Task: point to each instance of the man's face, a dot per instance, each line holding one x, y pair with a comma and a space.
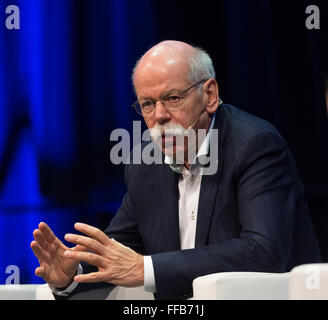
159, 74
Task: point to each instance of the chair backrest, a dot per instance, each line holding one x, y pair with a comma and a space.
309, 282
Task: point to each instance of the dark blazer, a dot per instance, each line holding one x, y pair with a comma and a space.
252, 214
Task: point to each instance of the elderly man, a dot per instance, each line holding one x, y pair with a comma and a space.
175, 223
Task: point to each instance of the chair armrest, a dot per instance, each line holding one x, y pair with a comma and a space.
309, 282
43, 292
241, 286
18, 292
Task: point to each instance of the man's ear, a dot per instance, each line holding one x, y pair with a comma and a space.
212, 91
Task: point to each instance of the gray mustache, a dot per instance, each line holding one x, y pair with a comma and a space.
159, 131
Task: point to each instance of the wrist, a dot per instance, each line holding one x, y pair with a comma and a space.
141, 269
67, 285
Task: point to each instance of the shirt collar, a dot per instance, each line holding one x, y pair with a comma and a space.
203, 151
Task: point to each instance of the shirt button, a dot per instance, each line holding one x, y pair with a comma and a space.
193, 216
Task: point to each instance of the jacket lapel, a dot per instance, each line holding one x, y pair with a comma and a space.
209, 191
170, 209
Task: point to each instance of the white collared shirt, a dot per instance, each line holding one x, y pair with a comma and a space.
189, 190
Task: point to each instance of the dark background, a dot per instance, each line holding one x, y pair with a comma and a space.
65, 86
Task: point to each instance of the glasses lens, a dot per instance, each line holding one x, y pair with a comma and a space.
172, 101
146, 107
137, 107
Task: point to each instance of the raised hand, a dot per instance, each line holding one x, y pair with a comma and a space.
117, 264
55, 268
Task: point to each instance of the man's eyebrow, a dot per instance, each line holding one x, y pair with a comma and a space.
171, 90
162, 94
145, 98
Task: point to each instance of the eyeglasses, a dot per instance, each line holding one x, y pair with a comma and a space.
170, 100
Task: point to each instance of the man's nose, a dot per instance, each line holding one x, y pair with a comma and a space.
161, 113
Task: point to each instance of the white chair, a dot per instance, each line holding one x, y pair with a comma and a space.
304, 282
241, 286
309, 282
43, 292
218, 286
18, 292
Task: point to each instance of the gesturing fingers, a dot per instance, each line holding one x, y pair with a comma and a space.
42, 257
92, 232
41, 239
92, 277
86, 242
39, 253
88, 257
49, 235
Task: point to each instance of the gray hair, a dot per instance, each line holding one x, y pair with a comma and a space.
200, 67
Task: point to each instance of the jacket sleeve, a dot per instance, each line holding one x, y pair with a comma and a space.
264, 177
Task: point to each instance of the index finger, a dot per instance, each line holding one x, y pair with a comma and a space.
47, 232
92, 232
